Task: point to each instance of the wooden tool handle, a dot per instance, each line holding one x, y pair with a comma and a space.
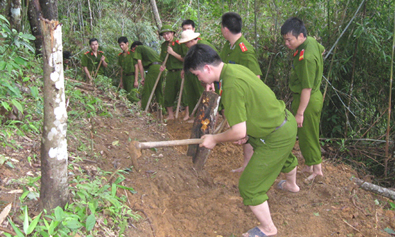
146, 145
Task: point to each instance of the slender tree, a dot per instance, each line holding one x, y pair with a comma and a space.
156, 14
16, 16
54, 186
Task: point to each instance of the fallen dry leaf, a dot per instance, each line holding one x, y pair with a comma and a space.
5, 212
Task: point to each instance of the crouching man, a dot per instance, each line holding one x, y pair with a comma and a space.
256, 117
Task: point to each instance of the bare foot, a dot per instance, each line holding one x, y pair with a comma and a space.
186, 118
283, 185
238, 170
170, 118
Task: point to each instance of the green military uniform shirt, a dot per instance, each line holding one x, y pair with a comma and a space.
172, 62
241, 53
91, 62
248, 99
127, 62
147, 56
307, 66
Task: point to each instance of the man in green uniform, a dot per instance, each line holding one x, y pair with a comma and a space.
305, 81
254, 113
192, 87
148, 60
173, 66
129, 70
90, 60
237, 50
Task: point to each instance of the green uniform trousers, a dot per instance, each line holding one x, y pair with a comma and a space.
173, 85
193, 89
128, 85
308, 135
271, 156
149, 82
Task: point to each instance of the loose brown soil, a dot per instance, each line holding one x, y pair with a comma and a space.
176, 200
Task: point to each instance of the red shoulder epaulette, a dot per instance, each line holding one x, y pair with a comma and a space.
301, 55
177, 42
119, 53
243, 47
296, 52
172, 43
86, 52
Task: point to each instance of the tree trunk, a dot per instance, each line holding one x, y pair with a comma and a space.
54, 186
156, 14
49, 9
34, 13
16, 16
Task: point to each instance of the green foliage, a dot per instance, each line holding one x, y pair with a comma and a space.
94, 202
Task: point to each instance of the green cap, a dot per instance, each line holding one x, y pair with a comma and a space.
166, 28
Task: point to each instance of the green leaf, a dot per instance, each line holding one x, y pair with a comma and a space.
73, 224
113, 190
33, 224
34, 91
93, 205
90, 222
17, 231
44, 234
316, 214
127, 188
5, 105
25, 221
17, 105
2, 65
52, 227
58, 213
389, 231
20, 61
119, 179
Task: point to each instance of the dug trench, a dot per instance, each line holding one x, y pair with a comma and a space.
174, 199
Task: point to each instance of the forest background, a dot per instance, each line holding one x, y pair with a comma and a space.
358, 37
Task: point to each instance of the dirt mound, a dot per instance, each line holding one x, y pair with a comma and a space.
176, 200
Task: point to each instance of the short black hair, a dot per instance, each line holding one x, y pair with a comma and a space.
200, 55
188, 22
295, 26
93, 40
122, 39
135, 43
232, 21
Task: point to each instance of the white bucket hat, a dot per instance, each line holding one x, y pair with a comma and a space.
188, 35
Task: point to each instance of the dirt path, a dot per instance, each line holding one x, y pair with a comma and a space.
176, 200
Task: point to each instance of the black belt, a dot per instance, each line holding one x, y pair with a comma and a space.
174, 70
285, 120
129, 74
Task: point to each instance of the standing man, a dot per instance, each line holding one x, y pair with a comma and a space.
305, 81
148, 60
173, 66
192, 87
129, 70
268, 126
237, 50
90, 60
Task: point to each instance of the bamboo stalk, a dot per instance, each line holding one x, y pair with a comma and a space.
388, 157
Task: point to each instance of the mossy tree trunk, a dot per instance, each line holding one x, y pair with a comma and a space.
54, 186
16, 16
